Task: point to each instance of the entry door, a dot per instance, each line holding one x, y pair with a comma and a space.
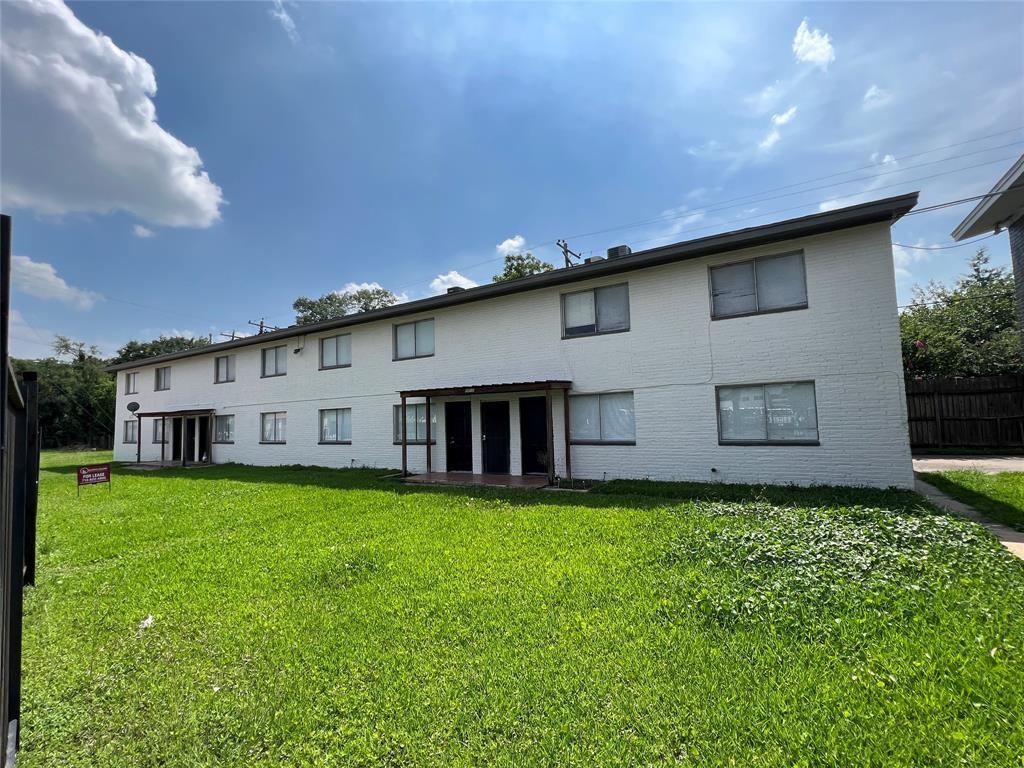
190, 440
458, 432
176, 439
494, 422
533, 431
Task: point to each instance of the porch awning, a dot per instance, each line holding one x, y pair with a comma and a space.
488, 389
193, 412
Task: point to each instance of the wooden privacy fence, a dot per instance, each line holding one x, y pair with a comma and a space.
983, 412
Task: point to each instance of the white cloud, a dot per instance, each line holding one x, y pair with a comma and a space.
766, 99
785, 117
27, 342
512, 244
80, 127
39, 279
876, 97
284, 18
453, 279
813, 46
904, 258
374, 286
770, 140
141, 231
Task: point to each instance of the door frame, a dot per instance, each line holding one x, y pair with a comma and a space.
468, 405
508, 437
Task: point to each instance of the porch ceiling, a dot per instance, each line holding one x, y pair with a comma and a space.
200, 412
487, 389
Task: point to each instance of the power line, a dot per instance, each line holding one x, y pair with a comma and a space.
947, 247
954, 299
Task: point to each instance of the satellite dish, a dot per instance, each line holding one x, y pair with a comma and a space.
133, 406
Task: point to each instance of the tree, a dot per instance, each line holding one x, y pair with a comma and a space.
139, 350
339, 303
522, 265
967, 330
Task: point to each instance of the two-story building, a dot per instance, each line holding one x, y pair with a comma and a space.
764, 355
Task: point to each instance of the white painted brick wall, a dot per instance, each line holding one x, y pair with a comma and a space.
847, 341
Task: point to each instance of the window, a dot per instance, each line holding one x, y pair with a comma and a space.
131, 431
224, 369
272, 427
275, 361
163, 378
601, 310
768, 413
414, 340
336, 351
158, 431
415, 423
223, 429
764, 284
605, 418
131, 383
336, 425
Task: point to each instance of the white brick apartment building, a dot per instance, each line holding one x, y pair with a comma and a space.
765, 355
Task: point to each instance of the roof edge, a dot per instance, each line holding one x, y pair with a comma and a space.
1005, 184
889, 209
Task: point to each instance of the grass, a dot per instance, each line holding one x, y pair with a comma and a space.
1000, 496
330, 617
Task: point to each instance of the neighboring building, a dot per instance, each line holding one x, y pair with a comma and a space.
1003, 208
766, 355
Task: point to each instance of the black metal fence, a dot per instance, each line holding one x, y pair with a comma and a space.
982, 412
19, 493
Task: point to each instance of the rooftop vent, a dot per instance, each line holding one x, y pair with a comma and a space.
619, 250
592, 259
456, 289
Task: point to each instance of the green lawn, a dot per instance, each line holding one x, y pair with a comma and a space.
320, 617
1000, 496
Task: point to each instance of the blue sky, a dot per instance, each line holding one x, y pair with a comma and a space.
397, 143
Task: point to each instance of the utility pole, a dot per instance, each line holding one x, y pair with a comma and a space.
263, 326
232, 335
568, 254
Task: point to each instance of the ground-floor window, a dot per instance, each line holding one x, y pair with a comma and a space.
768, 413
603, 418
158, 431
415, 423
131, 431
224, 429
336, 425
272, 427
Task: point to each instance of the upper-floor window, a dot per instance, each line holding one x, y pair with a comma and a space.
336, 351
131, 431
224, 369
336, 425
414, 339
275, 361
415, 423
768, 414
131, 383
764, 284
163, 378
272, 427
224, 429
602, 418
599, 310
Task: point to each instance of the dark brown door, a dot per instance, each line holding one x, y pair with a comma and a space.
494, 423
176, 439
190, 440
458, 434
533, 433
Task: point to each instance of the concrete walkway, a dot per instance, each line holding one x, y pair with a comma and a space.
989, 464
1012, 539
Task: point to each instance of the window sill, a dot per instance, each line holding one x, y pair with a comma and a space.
334, 367
223, 442
770, 442
335, 442
760, 312
415, 442
135, 392
273, 442
226, 381
160, 389
273, 375
566, 336
602, 442
414, 357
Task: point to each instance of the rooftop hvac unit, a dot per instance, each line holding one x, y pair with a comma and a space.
619, 250
593, 259
456, 289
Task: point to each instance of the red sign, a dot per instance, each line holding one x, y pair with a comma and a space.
97, 473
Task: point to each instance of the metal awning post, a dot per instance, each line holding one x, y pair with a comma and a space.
405, 443
549, 428
163, 437
568, 452
138, 440
427, 409
184, 441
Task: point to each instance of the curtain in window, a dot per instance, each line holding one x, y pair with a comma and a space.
780, 282
791, 411
223, 429
329, 426
343, 345
405, 341
617, 418
268, 427
741, 413
329, 352
612, 308
732, 289
579, 312
279, 425
424, 338
584, 417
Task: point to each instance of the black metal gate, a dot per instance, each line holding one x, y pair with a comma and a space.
19, 492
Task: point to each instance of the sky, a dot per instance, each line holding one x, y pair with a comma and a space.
177, 167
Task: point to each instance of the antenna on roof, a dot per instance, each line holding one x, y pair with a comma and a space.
568, 254
263, 326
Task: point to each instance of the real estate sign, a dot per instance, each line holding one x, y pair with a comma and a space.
93, 475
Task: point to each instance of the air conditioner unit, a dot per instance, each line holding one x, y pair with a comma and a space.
619, 250
593, 259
